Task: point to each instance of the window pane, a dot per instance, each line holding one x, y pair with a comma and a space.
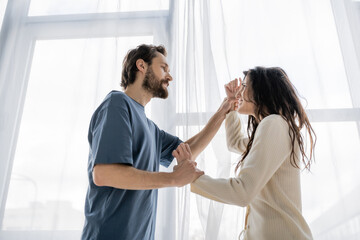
337, 151
59, 7
68, 80
306, 45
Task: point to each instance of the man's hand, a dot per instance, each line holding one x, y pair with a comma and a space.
228, 105
185, 172
182, 152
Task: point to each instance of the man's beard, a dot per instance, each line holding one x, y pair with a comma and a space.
153, 85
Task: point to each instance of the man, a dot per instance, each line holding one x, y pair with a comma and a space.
126, 149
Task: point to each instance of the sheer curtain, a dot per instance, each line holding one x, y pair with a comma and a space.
201, 69
316, 42
2, 11
58, 60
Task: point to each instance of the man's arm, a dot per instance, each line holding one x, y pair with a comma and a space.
199, 142
127, 177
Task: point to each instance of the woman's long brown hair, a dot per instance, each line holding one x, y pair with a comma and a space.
272, 93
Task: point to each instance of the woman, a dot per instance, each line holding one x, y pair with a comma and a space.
268, 182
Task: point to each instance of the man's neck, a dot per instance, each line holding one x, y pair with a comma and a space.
138, 94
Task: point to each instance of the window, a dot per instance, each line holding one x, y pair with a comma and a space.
67, 63
64, 76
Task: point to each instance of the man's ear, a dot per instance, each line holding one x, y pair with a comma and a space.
141, 65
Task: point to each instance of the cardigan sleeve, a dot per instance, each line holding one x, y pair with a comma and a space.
235, 139
271, 147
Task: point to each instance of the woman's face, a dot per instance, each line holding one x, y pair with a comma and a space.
246, 104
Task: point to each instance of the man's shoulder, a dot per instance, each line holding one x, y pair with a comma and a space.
116, 99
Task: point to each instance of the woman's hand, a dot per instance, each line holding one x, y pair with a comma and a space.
182, 152
185, 172
232, 90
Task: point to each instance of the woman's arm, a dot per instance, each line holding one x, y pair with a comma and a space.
271, 147
235, 139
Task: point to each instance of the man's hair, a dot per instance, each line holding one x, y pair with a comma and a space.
144, 52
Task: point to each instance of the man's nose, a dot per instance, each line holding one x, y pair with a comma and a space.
169, 77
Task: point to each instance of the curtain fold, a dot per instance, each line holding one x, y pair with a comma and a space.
201, 70
3, 4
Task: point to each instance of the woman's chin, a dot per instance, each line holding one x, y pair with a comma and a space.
240, 110
243, 111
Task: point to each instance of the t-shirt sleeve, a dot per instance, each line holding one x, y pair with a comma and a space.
168, 144
111, 137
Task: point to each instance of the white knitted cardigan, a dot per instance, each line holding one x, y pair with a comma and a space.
267, 184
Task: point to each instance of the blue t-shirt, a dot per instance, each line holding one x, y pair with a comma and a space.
120, 132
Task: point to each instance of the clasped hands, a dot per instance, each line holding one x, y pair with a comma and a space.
186, 171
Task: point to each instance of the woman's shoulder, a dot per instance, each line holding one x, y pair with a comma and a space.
274, 120
273, 129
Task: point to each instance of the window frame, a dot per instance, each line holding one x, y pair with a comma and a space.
18, 37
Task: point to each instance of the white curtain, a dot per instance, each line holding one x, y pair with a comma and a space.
43, 149
2, 11
201, 69
216, 40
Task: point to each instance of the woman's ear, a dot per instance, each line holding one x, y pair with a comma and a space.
141, 65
